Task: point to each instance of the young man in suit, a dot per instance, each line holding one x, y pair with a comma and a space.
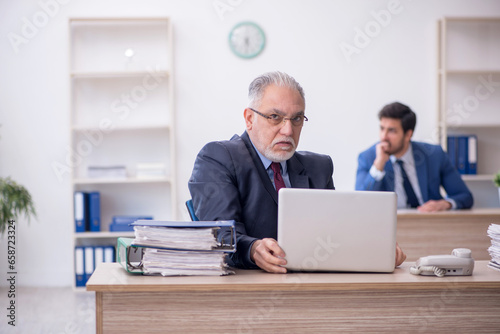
414, 170
238, 179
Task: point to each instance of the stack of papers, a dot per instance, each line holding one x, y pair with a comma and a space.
107, 172
190, 263
494, 249
182, 248
175, 237
150, 170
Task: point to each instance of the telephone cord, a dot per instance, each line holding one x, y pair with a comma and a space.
439, 272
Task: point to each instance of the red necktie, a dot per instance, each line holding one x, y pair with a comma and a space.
278, 179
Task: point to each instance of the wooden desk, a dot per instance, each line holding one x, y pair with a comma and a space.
421, 234
253, 301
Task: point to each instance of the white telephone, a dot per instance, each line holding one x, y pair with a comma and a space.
459, 263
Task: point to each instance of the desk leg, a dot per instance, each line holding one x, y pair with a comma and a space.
98, 312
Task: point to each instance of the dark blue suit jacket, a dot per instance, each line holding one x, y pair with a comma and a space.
434, 169
229, 182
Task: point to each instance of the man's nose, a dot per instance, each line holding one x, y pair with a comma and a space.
286, 127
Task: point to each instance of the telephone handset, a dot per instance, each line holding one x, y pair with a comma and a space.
459, 263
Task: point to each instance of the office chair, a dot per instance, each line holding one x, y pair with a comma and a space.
190, 208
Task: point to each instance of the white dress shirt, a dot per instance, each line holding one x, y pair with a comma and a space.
411, 172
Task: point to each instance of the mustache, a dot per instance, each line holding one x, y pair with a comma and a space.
284, 140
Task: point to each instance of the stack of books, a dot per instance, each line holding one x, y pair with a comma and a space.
494, 249
178, 248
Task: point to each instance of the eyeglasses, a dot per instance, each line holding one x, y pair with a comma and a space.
275, 119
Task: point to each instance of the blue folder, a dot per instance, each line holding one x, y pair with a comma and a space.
81, 211
89, 262
109, 254
122, 223
472, 154
95, 211
462, 154
452, 149
80, 266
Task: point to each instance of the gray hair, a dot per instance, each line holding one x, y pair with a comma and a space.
259, 85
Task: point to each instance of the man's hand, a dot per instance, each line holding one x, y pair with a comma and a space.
400, 256
381, 155
433, 206
268, 255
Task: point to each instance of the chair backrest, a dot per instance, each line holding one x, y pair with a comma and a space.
190, 207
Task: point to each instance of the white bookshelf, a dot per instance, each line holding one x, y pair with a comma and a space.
122, 114
469, 95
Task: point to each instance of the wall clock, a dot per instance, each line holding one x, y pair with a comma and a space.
247, 40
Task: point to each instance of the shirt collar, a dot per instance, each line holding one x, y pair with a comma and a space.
407, 158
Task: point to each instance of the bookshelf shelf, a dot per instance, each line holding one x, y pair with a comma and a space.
479, 177
473, 125
122, 120
90, 181
472, 72
138, 127
469, 98
103, 235
119, 74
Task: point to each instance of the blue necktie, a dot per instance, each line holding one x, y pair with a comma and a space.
411, 198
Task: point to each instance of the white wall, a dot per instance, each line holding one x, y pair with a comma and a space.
303, 39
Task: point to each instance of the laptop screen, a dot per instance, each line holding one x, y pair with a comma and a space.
333, 230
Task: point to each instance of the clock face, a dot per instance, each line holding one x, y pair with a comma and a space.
247, 40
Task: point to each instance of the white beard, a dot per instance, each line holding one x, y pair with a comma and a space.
279, 156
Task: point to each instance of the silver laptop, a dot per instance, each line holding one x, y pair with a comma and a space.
333, 230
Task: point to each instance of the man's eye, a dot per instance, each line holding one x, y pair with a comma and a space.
274, 117
297, 119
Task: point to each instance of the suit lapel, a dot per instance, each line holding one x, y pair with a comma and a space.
420, 166
266, 182
295, 173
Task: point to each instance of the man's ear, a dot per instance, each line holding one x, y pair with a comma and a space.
248, 114
408, 135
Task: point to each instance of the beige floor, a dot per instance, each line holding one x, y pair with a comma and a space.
49, 311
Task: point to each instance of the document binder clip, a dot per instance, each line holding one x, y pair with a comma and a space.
129, 256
